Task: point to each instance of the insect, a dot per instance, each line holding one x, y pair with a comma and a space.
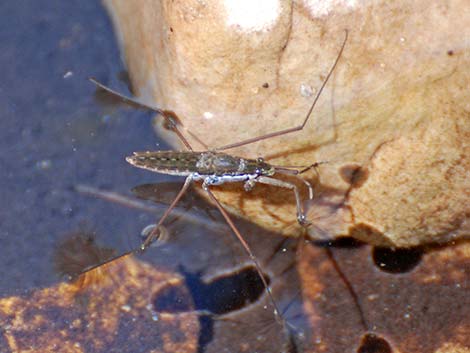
215, 167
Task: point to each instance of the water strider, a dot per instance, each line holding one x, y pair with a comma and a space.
215, 167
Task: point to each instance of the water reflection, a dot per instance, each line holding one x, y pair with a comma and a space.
224, 287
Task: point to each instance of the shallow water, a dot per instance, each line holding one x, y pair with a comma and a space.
57, 132
54, 134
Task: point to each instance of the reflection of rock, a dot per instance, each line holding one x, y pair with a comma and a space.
115, 315
397, 103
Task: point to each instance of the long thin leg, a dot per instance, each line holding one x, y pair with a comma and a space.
297, 172
350, 288
171, 122
284, 184
295, 128
245, 245
155, 232
108, 261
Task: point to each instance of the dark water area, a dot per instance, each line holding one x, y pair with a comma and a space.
58, 132
54, 135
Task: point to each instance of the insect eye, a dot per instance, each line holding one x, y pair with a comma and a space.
260, 160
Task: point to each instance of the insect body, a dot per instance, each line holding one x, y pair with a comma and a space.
201, 165
215, 168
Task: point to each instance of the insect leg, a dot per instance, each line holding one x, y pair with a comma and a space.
156, 231
350, 288
277, 312
309, 113
296, 172
171, 121
309, 186
284, 184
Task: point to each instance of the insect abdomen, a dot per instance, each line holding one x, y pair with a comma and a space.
203, 163
166, 162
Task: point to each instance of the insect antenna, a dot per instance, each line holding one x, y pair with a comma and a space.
298, 127
297, 169
169, 117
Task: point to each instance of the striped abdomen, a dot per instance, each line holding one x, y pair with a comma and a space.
203, 163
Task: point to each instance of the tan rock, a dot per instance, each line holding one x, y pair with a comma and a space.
393, 122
